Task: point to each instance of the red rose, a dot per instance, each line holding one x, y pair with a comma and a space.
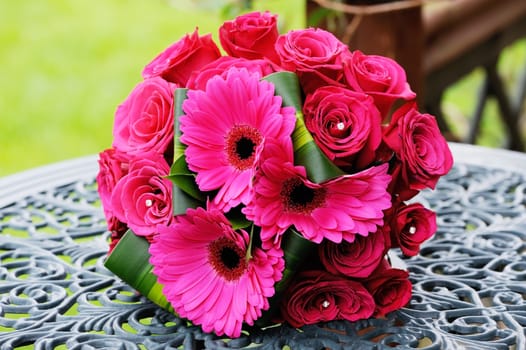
357, 259
411, 225
117, 229
345, 125
318, 296
423, 153
113, 165
143, 198
179, 60
144, 121
378, 76
390, 288
198, 79
252, 36
315, 55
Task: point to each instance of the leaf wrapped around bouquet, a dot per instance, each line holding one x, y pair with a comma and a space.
268, 185
306, 152
135, 269
185, 193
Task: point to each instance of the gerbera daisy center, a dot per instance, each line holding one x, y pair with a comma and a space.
245, 148
298, 197
227, 258
241, 144
230, 258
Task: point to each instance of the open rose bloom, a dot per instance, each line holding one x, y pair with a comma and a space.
221, 163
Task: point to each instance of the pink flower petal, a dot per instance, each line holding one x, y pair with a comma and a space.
235, 106
334, 210
188, 259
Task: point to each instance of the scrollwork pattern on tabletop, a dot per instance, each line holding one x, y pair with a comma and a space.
469, 280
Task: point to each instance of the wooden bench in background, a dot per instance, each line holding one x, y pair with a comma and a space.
438, 42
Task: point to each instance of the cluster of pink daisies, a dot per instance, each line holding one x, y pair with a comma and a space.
244, 148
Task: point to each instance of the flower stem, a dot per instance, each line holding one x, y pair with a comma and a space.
249, 248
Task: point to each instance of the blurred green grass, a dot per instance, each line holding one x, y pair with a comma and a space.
66, 65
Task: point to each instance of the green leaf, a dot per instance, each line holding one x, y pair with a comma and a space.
287, 85
306, 152
130, 260
180, 95
296, 250
182, 201
186, 193
185, 179
237, 219
319, 168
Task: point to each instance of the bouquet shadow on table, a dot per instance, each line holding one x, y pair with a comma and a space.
268, 184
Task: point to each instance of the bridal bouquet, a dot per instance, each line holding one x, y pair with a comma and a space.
266, 182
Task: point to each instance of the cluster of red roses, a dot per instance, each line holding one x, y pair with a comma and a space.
348, 108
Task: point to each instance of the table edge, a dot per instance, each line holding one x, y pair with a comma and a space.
28, 182
504, 159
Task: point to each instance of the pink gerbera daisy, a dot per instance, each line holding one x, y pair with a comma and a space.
336, 210
225, 126
207, 276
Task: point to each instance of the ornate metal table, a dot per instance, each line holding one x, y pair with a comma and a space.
469, 280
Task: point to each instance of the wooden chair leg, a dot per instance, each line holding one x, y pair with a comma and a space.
482, 97
508, 115
520, 97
